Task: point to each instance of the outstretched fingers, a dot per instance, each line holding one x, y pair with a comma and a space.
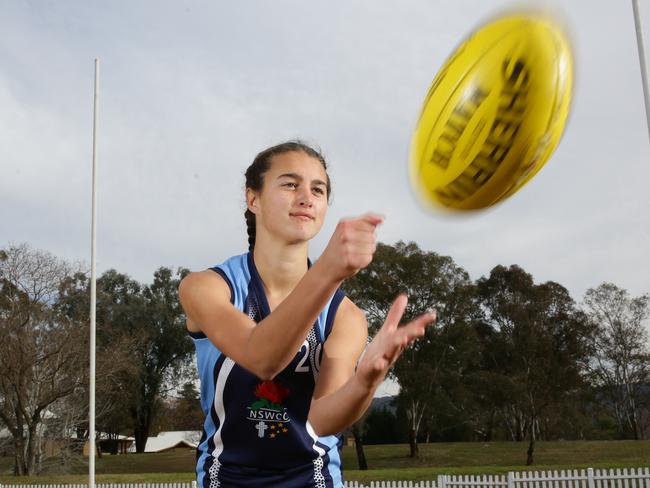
395, 313
407, 334
416, 327
390, 342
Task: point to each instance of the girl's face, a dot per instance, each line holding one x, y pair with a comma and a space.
293, 202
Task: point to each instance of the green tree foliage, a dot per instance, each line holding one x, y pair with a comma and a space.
434, 362
151, 316
533, 340
181, 411
619, 366
114, 363
382, 426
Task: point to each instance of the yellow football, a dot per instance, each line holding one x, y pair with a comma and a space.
494, 113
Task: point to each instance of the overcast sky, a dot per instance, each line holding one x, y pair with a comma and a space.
191, 91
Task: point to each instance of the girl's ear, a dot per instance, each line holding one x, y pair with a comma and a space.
251, 200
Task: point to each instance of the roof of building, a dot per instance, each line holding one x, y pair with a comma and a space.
169, 440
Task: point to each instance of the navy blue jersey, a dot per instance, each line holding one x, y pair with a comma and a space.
256, 433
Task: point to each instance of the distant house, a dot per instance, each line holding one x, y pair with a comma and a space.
179, 439
111, 445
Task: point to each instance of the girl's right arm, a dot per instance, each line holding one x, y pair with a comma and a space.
267, 348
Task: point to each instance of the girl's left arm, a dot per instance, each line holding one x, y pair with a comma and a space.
345, 389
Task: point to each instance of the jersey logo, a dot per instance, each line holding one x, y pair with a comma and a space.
267, 411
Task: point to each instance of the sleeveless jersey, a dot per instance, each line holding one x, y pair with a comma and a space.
256, 433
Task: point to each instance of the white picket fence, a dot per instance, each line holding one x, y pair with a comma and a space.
586, 478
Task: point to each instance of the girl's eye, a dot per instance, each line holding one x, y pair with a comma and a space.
319, 190
291, 185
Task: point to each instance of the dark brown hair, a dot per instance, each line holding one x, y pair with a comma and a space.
261, 164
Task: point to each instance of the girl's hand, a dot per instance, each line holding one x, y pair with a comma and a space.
389, 343
351, 247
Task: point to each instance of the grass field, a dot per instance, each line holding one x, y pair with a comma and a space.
387, 462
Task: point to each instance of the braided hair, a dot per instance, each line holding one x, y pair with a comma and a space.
261, 164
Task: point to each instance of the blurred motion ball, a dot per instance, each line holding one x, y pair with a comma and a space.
494, 113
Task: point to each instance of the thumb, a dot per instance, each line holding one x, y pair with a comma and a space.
372, 218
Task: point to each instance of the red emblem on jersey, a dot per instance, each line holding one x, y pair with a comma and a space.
272, 391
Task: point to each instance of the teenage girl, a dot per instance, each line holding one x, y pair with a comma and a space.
278, 344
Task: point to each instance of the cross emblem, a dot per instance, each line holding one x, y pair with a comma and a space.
261, 427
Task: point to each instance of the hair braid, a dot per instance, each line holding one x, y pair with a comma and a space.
250, 228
